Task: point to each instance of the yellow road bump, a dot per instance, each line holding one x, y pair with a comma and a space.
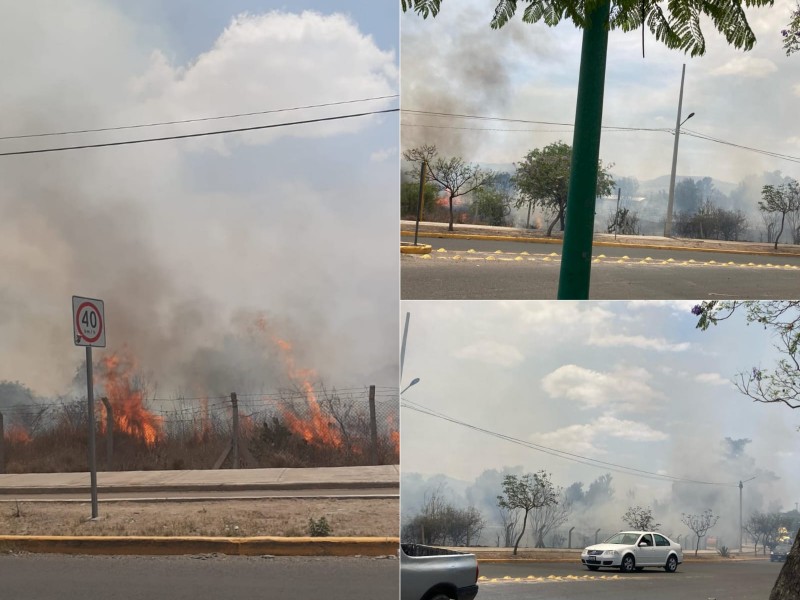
751, 264
554, 254
490, 258
769, 264
503, 258
519, 258
498, 251
648, 258
442, 250
471, 251
625, 257
547, 258
731, 263
457, 257
524, 253
685, 262
621, 260
426, 256
691, 260
601, 256
712, 262
596, 260
670, 260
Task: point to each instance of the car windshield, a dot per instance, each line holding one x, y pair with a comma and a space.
623, 538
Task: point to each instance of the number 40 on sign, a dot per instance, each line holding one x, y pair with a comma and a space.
88, 322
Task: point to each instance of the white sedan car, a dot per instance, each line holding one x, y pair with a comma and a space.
633, 551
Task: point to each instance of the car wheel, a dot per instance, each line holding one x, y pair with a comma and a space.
592, 567
628, 564
672, 564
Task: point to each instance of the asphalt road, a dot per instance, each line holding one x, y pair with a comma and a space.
733, 580
477, 269
56, 577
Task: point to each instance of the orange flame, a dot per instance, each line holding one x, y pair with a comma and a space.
318, 429
127, 402
17, 434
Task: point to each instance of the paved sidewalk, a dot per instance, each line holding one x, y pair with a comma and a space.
381, 476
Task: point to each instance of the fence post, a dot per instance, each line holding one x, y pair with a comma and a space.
109, 433
373, 425
2, 446
235, 440
569, 544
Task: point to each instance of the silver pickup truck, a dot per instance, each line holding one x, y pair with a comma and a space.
428, 573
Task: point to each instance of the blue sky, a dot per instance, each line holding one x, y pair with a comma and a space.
635, 384
455, 63
189, 242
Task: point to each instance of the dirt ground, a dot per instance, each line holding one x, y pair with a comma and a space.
226, 518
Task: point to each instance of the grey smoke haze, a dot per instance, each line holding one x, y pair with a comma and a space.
190, 244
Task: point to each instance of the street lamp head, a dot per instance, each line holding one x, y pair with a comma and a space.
414, 381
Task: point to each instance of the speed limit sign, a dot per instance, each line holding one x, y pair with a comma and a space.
88, 322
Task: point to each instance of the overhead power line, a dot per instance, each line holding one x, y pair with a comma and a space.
196, 120
202, 134
561, 453
671, 131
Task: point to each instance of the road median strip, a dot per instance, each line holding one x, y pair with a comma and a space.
160, 546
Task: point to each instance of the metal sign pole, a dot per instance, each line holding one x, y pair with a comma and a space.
92, 461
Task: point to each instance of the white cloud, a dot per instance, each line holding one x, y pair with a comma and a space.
273, 61
590, 437
491, 352
711, 379
746, 66
382, 154
623, 389
636, 341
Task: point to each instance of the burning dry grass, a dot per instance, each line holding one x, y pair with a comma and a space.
219, 518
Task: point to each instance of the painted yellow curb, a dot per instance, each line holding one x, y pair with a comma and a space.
532, 240
250, 546
412, 249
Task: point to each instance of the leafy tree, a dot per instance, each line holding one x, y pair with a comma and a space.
783, 199
409, 198
640, 518
533, 490
791, 35
700, 524
676, 24
453, 175
492, 205
543, 179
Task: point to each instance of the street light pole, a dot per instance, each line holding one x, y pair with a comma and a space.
668, 223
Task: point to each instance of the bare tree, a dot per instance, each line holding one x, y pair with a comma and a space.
526, 493
640, 518
700, 524
453, 175
545, 519
509, 519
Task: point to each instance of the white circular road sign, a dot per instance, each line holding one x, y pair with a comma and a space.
88, 322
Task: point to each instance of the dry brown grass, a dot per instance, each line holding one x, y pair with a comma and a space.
226, 518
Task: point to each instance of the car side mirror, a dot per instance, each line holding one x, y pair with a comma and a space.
642, 544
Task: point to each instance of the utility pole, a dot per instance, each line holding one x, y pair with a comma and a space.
740, 517
668, 223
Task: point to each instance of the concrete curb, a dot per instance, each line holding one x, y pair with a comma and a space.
412, 249
559, 241
161, 546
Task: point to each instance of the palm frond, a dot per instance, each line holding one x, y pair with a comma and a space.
422, 7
